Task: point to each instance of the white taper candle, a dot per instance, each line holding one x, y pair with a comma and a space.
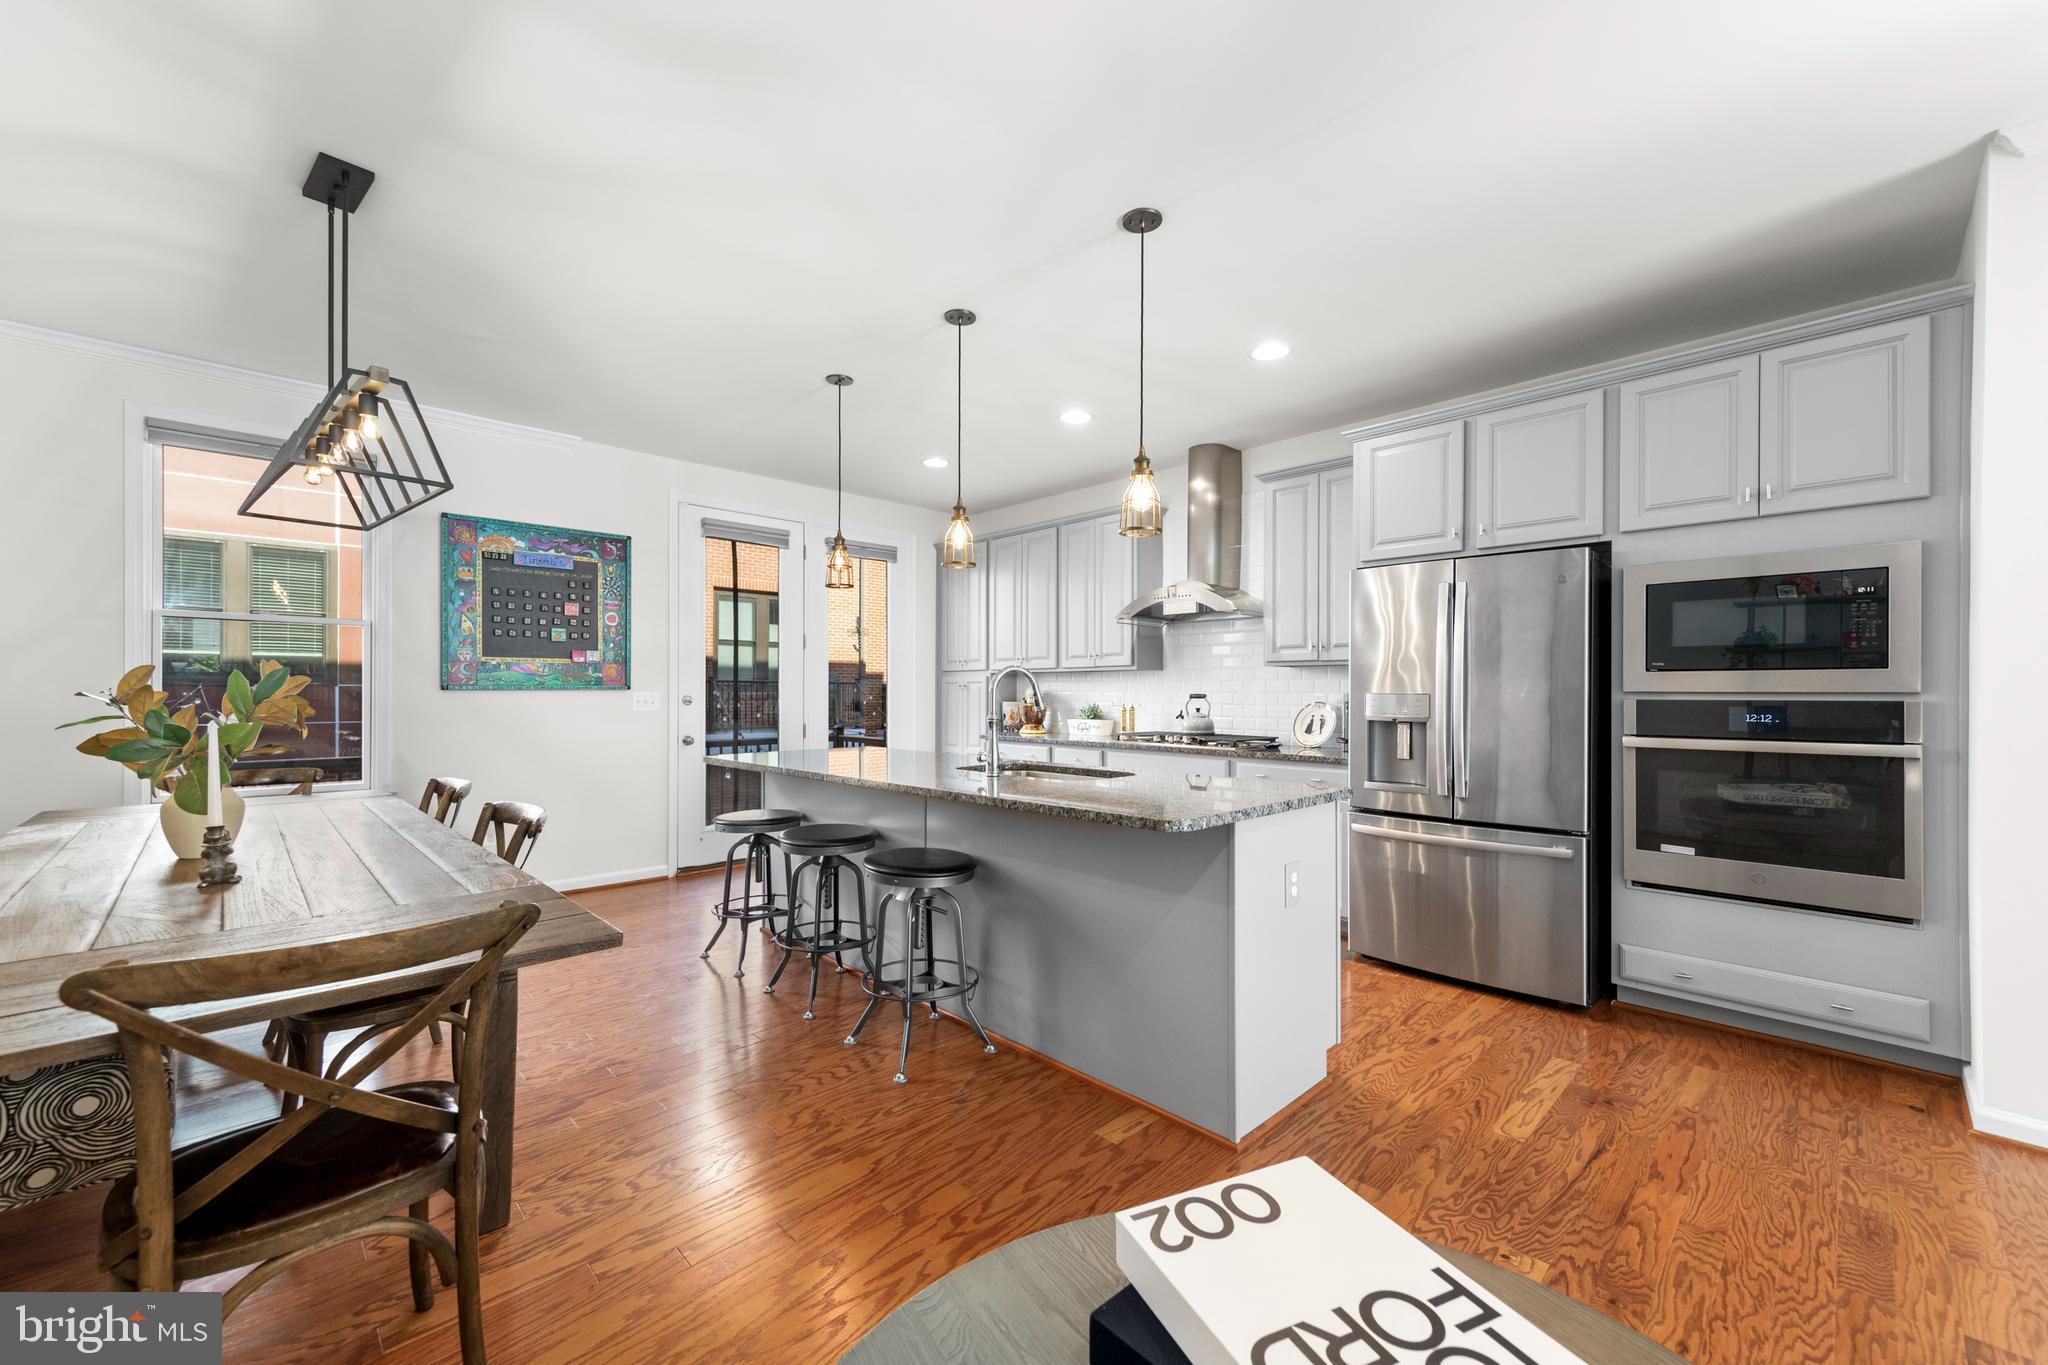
213, 816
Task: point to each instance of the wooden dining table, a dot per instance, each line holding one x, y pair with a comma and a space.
85, 888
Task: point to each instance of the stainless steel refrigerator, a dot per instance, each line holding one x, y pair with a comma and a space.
1478, 697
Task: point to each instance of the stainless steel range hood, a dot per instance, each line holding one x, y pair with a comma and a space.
1215, 522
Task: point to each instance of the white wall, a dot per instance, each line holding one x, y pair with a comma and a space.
1225, 658
601, 769
2007, 1078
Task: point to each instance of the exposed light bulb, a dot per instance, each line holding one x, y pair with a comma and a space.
839, 565
1141, 509
956, 550
369, 426
314, 475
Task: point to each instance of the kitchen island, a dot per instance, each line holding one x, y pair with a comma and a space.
1174, 936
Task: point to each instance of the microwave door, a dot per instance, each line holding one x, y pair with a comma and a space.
1402, 740
1521, 660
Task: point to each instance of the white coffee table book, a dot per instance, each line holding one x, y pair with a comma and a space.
1287, 1266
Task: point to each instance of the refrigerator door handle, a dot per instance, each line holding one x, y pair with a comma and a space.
1461, 685
1407, 836
1443, 725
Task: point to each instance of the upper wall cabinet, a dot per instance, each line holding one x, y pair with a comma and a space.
963, 616
1101, 569
1409, 491
1309, 555
1688, 445
1845, 419
1023, 599
1539, 471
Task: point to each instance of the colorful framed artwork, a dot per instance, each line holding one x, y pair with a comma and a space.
534, 608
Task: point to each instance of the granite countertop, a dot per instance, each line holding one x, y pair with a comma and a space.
1330, 755
1172, 803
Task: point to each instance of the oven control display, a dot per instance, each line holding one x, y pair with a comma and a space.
1758, 718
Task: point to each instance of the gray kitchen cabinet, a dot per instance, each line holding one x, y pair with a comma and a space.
1309, 555
1293, 574
1023, 599
963, 616
1410, 492
1539, 471
1845, 419
960, 716
1134, 759
1100, 569
1689, 445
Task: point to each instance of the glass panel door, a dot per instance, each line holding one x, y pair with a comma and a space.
741, 622
857, 659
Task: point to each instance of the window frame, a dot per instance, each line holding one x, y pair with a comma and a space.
144, 612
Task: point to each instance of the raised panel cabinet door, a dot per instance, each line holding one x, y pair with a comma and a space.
1845, 419
1077, 594
1538, 471
1116, 583
1336, 554
1293, 570
1005, 601
1038, 599
963, 616
1410, 492
1689, 445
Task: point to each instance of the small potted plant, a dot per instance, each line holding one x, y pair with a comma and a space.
168, 750
1088, 723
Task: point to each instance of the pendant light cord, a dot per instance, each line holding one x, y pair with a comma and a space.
839, 517
1141, 341
959, 409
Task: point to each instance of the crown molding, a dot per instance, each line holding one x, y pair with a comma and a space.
2023, 139
52, 339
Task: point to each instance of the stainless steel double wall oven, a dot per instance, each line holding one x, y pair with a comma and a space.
1760, 760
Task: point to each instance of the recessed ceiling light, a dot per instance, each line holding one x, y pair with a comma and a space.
1271, 350
1074, 417
934, 462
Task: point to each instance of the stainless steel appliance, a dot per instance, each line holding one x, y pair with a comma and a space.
1837, 620
1478, 693
1210, 740
1814, 803
1215, 522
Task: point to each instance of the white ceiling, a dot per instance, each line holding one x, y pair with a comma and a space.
659, 225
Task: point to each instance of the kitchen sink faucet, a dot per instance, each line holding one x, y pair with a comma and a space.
991, 755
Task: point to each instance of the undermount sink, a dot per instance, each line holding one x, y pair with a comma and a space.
1018, 767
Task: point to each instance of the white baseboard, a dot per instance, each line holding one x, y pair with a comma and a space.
636, 874
2001, 1122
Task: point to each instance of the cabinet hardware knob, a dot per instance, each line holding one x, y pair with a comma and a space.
1768, 495
1846, 1009
1482, 530
1682, 976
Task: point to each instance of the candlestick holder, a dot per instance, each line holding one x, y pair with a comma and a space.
220, 870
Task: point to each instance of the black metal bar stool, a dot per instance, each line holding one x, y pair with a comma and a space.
757, 830
916, 879
817, 927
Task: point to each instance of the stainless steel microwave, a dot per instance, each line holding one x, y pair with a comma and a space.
1845, 619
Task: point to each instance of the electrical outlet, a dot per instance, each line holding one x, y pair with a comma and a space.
1292, 895
647, 701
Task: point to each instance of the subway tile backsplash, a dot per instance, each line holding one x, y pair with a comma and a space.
1224, 658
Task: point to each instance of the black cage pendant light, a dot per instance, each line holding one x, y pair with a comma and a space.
1141, 511
378, 451
838, 563
956, 551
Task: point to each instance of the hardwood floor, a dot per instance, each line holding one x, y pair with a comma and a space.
703, 1176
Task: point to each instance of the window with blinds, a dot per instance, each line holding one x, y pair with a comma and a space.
286, 580
192, 582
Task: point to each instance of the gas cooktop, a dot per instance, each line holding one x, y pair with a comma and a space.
1208, 741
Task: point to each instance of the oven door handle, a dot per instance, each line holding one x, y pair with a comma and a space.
1773, 746
1406, 836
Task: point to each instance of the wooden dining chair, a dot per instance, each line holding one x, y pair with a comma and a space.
280, 777
444, 797
355, 1154
514, 827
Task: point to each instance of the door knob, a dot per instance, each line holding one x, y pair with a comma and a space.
689, 700
686, 740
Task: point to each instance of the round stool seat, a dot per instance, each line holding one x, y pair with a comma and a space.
827, 838
739, 820
914, 863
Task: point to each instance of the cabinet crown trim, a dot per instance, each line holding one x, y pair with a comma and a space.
1805, 327
1320, 466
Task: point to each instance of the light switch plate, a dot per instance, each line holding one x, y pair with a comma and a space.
647, 701
1292, 895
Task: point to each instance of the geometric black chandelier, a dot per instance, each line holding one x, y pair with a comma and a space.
356, 434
